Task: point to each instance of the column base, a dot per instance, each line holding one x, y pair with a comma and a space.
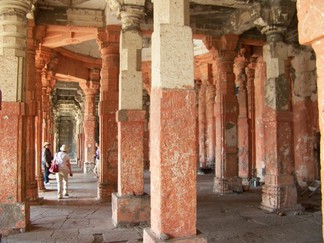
280, 199
88, 167
150, 237
104, 192
221, 186
130, 210
13, 218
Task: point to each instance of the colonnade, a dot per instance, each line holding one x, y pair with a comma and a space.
29, 75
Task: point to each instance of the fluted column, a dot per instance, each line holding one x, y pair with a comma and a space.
90, 89
108, 41
14, 207
173, 127
310, 12
226, 111
130, 198
242, 121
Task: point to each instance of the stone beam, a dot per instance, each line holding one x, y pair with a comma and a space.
70, 17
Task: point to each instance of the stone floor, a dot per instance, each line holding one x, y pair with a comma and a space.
233, 218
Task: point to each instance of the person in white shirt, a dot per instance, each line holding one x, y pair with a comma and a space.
63, 160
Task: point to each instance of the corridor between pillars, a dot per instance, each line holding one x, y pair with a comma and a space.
130, 205
173, 127
309, 34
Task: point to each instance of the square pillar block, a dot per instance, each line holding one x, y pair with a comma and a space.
130, 210
150, 237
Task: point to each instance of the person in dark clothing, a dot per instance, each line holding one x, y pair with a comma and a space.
46, 161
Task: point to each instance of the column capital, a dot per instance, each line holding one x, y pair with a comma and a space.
90, 87
108, 39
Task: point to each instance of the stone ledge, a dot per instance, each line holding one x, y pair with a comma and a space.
150, 237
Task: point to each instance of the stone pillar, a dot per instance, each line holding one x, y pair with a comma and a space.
46, 108
108, 40
210, 121
226, 112
242, 121
173, 127
260, 77
32, 192
250, 75
90, 89
202, 125
310, 12
279, 191
14, 208
41, 58
129, 204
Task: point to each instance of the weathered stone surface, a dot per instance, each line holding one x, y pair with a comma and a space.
130, 210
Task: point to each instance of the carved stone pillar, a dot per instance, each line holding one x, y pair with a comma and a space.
242, 121
130, 198
210, 121
202, 125
173, 126
310, 12
250, 75
226, 111
32, 192
279, 191
14, 207
42, 57
108, 40
90, 89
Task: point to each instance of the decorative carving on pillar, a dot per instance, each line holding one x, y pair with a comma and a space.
279, 191
108, 41
226, 111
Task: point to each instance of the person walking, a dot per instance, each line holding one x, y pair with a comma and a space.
96, 169
46, 161
62, 158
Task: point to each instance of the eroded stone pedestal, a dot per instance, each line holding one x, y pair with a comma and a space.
130, 210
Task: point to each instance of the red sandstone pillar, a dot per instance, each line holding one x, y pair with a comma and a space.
242, 121
279, 191
202, 124
210, 121
260, 77
108, 40
250, 75
90, 89
41, 58
32, 192
173, 127
130, 199
225, 115
310, 12
14, 208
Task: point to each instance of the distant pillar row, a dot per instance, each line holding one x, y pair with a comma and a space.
130, 198
108, 41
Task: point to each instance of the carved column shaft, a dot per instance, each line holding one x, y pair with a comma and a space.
108, 40
242, 122
226, 111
